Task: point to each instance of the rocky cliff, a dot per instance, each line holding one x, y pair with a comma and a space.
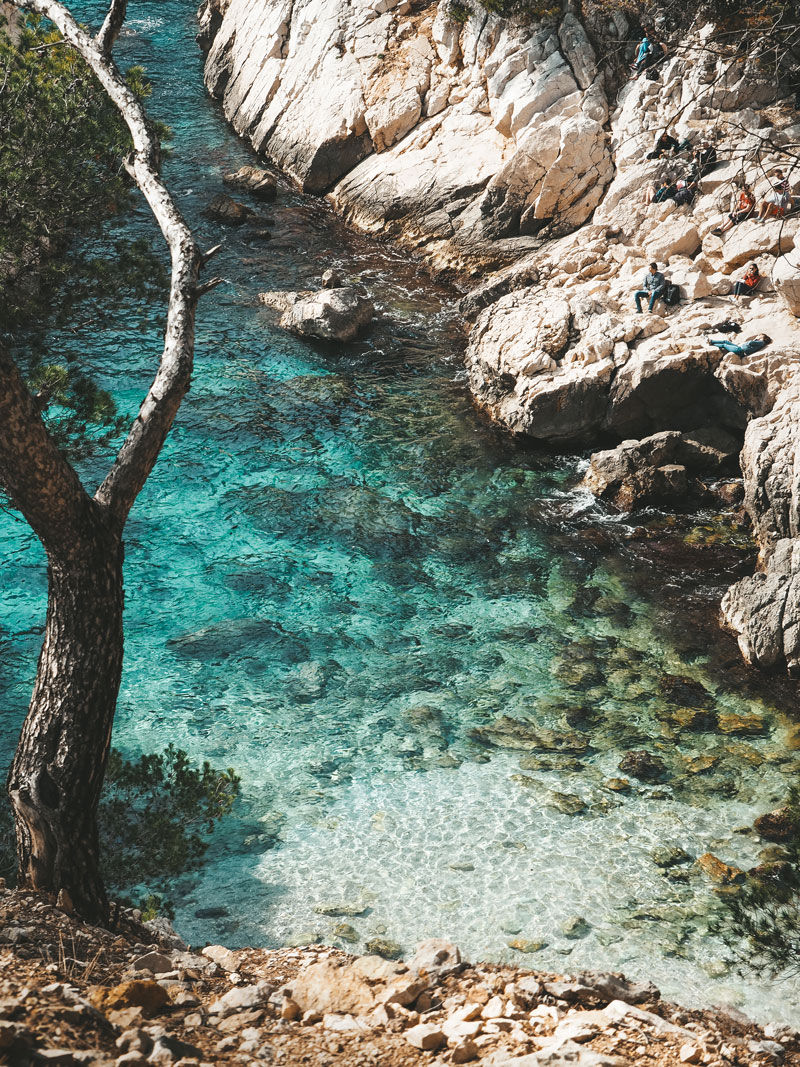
452, 136
486, 144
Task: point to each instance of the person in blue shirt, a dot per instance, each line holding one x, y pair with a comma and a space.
652, 286
642, 53
755, 344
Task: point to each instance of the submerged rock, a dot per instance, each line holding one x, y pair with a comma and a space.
385, 947
329, 314
224, 208
575, 927
778, 825
506, 732
527, 945
721, 873
346, 908
568, 803
644, 766
670, 856
346, 933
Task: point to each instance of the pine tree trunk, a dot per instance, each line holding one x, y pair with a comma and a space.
57, 773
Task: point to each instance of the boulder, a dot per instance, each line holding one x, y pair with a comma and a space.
147, 995
611, 986
786, 279
240, 998
222, 956
392, 117
675, 237
329, 314
328, 989
259, 182
426, 1036
156, 962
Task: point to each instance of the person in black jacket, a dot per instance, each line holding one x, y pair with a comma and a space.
665, 142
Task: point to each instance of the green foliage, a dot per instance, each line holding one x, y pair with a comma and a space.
761, 923
155, 815
61, 145
459, 12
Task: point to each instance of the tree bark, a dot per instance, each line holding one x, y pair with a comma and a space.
57, 774
58, 768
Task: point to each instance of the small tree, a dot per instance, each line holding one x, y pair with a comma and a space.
58, 768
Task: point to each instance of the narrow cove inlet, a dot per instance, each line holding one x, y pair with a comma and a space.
434, 661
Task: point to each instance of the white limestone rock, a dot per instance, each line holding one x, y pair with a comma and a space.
786, 279
329, 315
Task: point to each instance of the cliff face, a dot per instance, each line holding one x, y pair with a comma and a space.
484, 144
456, 138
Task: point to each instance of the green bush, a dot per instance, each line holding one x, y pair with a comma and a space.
155, 816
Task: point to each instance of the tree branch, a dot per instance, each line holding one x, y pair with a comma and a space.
139, 452
109, 31
38, 479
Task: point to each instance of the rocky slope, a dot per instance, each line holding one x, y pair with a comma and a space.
484, 144
137, 996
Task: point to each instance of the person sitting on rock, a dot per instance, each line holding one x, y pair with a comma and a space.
665, 142
747, 348
743, 204
685, 192
748, 283
657, 194
656, 56
777, 201
704, 159
653, 286
643, 51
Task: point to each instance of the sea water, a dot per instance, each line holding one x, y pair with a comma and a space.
339, 578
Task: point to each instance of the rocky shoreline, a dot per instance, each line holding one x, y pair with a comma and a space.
484, 145
137, 995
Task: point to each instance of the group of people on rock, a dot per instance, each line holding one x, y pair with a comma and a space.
703, 159
777, 201
651, 51
654, 285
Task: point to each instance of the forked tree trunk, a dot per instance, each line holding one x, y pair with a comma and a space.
58, 768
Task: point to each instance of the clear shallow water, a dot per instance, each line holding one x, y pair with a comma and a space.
337, 573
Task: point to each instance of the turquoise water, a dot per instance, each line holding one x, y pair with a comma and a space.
338, 573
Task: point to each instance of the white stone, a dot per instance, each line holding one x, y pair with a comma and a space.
426, 1036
